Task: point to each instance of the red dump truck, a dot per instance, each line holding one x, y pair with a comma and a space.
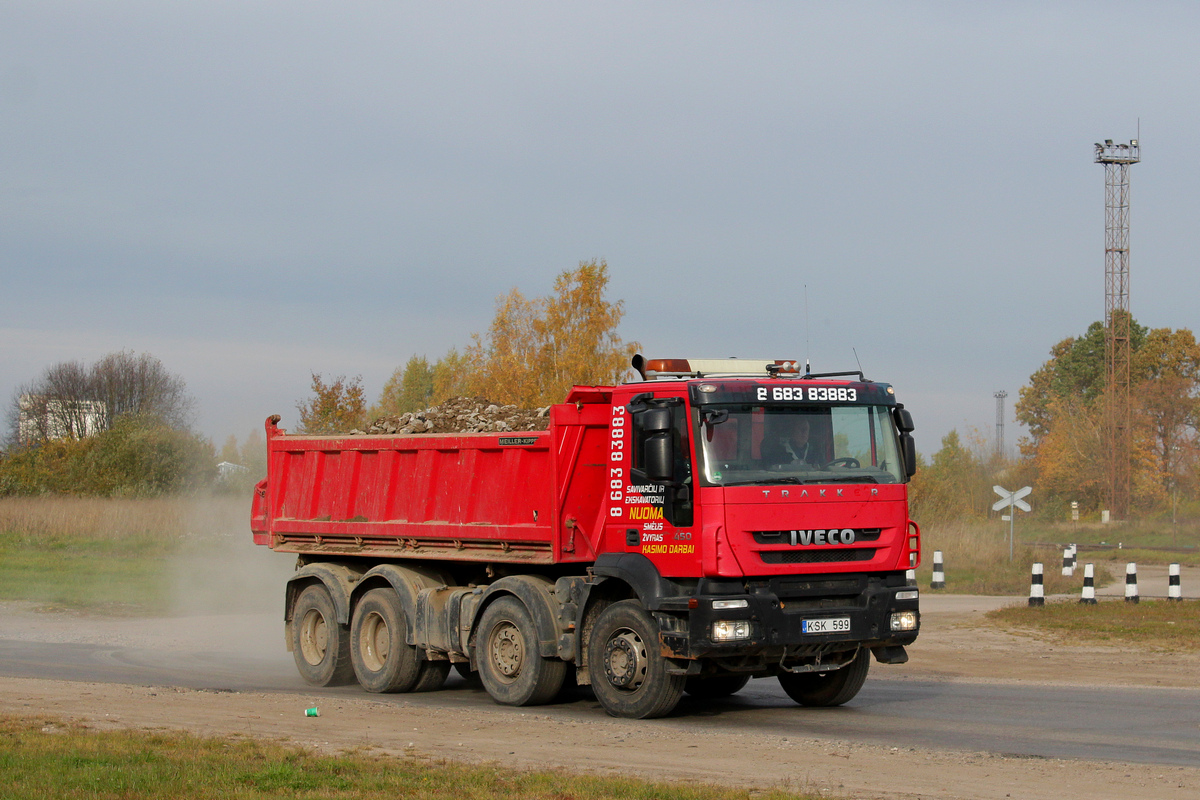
712, 522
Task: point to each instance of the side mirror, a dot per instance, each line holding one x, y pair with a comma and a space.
904, 420
909, 448
658, 455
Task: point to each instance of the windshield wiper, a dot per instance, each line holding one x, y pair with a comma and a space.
847, 479
764, 481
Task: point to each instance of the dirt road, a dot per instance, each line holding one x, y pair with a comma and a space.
953, 649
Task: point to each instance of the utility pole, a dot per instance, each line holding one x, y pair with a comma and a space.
1000, 395
1117, 158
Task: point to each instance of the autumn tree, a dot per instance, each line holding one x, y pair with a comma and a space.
1168, 401
955, 484
537, 349
72, 399
1064, 408
409, 389
335, 407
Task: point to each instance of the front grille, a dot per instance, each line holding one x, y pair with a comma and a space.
818, 556
785, 537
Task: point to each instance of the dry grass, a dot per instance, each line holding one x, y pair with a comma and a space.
976, 561
1158, 624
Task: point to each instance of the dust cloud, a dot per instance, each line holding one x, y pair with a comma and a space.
226, 592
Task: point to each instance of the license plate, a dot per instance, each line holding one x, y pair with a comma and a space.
827, 625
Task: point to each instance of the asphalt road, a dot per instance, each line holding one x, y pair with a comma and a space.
1152, 726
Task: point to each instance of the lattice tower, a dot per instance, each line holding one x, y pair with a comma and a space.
1117, 158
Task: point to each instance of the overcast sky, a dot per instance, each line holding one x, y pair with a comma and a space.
256, 191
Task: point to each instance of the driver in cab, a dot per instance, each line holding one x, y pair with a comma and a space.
790, 442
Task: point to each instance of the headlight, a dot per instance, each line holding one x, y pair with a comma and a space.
724, 604
908, 594
904, 621
730, 630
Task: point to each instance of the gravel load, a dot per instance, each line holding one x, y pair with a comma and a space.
463, 415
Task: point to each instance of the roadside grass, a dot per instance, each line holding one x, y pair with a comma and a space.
1147, 541
975, 555
1155, 624
48, 758
109, 555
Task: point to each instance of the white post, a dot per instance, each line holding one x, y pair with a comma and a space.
1088, 597
1037, 593
1131, 588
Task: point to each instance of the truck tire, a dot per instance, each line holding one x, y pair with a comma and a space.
716, 686
320, 645
512, 670
433, 675
629, 674
383, 660
823, 689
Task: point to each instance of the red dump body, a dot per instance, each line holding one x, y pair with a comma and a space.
527, 497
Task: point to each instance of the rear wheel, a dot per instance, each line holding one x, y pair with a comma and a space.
716, 686
383, 659
433, 675
512, 670
320, 646
628, 673
828, 688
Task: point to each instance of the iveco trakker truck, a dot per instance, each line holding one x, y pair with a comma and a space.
712, 522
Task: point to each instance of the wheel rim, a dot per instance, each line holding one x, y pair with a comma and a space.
626, 660
314, 637
507, 650
374, 641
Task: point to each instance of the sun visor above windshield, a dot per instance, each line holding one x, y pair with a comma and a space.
791, 392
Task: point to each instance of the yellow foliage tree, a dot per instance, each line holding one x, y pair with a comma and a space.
335, 407
536, 350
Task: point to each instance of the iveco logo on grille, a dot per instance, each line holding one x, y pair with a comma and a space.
831, 536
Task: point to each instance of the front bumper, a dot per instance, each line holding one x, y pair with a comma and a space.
777, 610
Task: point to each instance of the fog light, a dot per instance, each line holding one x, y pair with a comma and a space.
730, 630
904, 621
908, 594
722, 604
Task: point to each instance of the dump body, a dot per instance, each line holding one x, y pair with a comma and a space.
525, 498
758, 525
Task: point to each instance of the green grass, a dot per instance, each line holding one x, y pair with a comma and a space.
1157, 624
104, 554
44, 758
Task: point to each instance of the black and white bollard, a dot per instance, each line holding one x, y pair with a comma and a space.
1074, 556
1068, 564
939, 572
1131, 590
910, 577
1089, 586
1174, 589
1037, 593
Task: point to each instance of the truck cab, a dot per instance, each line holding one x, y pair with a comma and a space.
772, 505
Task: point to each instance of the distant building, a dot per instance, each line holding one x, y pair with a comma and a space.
42, 419
227, 470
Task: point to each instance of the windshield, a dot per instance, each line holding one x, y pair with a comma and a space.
757, 444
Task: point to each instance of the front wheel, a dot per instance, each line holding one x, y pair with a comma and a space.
320, 645
823, 689
628, 673
512, 670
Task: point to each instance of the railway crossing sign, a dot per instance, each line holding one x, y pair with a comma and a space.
1012, 501
1011, 498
